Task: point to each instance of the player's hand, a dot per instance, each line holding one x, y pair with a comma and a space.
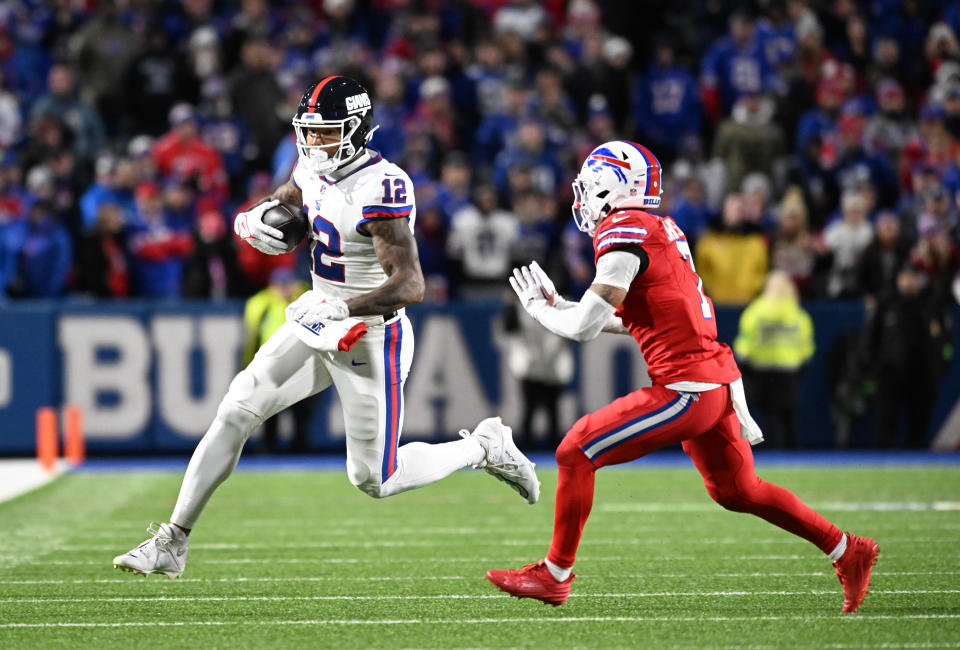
529, 291
310, 308
249, 226
547, 287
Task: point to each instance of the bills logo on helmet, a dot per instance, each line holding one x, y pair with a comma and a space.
358, 103
603, 157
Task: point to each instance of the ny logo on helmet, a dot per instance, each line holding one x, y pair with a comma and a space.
358, 103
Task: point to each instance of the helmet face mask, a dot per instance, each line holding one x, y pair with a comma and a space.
317, 157
618, 174
341, 110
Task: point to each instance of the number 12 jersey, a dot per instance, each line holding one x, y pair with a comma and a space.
343, 262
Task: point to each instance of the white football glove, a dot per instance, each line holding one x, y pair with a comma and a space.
549, 290
311, 308
249, 226
530, 290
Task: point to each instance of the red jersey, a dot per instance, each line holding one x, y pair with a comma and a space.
665, 308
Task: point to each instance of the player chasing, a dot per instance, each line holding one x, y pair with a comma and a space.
350, 330
646, 286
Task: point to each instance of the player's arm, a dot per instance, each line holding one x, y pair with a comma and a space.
595, 312
397, 251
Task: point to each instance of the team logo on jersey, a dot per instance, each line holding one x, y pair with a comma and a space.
358, 103
603, 157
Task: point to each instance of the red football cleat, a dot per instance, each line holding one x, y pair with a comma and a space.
853, 570
532, 581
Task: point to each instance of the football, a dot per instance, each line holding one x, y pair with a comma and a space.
288, 220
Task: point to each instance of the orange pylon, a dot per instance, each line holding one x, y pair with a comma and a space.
47, 447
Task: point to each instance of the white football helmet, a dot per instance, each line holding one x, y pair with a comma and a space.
618, 174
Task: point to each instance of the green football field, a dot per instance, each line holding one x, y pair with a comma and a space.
303, 559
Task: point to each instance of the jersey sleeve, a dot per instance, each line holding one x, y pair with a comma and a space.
619, 232
390, 197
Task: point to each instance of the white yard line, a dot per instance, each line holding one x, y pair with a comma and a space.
486, 621
633, 576
540, 541
471, 560
388, 597
22, 475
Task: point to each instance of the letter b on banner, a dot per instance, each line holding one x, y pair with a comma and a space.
106, 373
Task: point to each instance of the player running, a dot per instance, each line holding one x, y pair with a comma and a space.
646, 286
365, 270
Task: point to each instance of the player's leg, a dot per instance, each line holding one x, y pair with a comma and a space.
725, 461
370, 380
627, 429
283, 372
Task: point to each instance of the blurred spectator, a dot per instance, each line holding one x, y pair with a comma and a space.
756, 190
908, 341
774, 342
154, 81
882, 260
10, 119
734, 66
481, 240
103, 267
263, 315
749, 141
502, 120
890, 129
453, 190
391, 115
116, 178
690, 209
11, 191
543, 362
431, 236
846, 239
212, 271
793, 249
61, 102
102, 50
35, 254
529, 150
181, 152
227, 136
666, 104
157, 246
731, 258
256, 95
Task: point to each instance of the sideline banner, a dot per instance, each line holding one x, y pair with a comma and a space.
149, 376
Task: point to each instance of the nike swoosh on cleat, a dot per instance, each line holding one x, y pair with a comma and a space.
354, 363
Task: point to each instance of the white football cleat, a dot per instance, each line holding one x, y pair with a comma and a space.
165, 553
504, 460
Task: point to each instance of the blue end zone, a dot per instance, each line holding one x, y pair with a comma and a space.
669, 458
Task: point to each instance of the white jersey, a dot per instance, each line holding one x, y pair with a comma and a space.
343, 261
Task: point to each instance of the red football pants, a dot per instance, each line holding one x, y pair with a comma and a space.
654, 417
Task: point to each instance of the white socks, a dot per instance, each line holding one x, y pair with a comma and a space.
839, 549
559, 573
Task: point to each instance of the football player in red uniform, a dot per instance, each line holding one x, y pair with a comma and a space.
646, 286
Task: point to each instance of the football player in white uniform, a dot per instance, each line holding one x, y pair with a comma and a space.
365, 270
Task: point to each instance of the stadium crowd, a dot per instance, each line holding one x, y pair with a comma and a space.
817, 138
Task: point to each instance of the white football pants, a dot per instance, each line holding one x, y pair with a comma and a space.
369, 380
